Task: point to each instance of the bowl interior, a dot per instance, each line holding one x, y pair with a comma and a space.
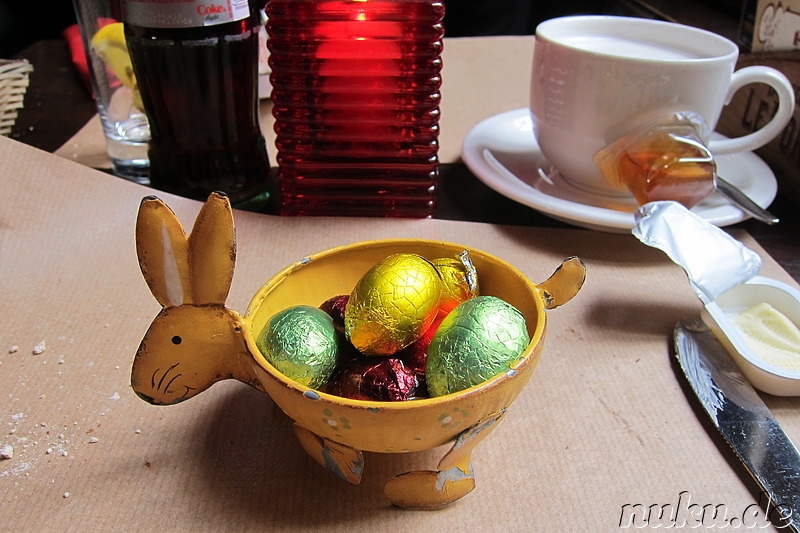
312, 280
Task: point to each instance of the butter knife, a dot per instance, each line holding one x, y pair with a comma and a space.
744, 202
743, 419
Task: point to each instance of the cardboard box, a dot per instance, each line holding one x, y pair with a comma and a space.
771, 25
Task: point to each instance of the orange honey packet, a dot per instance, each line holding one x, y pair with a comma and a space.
665, 159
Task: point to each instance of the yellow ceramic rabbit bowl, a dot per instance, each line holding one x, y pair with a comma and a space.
333, 430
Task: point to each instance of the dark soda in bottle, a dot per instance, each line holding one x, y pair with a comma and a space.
356, 105
196, 66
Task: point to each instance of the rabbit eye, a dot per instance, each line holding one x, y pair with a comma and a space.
176, 340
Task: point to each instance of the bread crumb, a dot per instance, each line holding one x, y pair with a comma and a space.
13, 349
39, 348
6, 452
93, 440
66, 494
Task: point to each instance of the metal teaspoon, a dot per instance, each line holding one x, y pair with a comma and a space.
743, 202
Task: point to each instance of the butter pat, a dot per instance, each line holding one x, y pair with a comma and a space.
755, 318
757, 322
771, 335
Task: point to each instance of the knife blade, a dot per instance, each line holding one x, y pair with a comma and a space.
743, 419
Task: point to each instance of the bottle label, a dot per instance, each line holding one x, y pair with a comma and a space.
184, 13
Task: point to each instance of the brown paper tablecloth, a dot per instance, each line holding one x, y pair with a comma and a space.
605, 421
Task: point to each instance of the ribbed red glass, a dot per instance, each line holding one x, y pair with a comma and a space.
356, 105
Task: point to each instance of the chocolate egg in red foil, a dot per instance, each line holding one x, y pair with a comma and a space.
374, 379
393, 304
459, 280
416, 354
301, 343
335, 308
479, 339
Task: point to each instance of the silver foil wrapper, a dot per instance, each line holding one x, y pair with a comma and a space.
713, 260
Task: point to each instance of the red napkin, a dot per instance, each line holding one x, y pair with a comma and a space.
72, 35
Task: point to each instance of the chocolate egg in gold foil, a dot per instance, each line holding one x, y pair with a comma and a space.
393, 304
479, 339
301, 343
459, 280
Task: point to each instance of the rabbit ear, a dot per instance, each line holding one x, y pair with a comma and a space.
162, 249
212, 251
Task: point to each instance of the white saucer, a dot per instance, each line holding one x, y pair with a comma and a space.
503, 153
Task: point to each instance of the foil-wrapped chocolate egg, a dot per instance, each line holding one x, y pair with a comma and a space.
301, 343
335, 308
479, 339
416, 354
459, 280
382, 379
392, 304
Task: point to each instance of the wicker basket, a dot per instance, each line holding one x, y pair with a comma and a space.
13, 84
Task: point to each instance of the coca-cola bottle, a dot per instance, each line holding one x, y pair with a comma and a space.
356, 105
196, 65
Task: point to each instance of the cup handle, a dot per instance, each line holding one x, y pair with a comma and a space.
778, 81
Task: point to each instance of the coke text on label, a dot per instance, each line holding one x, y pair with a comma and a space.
184, 13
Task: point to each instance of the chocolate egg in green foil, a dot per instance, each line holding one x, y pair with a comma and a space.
479, 339
301, 343
392, 304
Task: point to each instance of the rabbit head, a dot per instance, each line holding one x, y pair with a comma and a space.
195, 340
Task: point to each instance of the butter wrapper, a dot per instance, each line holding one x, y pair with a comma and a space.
713, 260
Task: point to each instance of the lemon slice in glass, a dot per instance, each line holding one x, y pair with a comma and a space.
109, 43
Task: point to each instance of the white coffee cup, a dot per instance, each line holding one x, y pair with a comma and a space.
595, 78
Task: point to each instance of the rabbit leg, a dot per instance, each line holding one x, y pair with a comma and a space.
344, 462
454, 479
